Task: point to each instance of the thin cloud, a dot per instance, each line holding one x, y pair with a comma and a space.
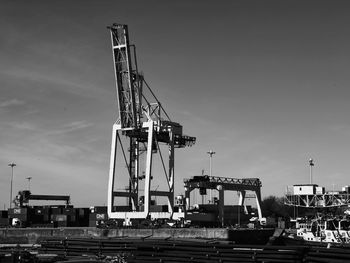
76, 125
66, 128
23, 126
10, 103
61, 79
71, 127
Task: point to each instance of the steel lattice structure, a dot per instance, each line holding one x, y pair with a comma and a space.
318, 200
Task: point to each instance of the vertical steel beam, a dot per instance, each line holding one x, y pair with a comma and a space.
258, 202
221, 204
148, 167
110, 198
241, 197
171, 172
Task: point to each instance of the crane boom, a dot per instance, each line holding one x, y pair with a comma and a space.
125, 77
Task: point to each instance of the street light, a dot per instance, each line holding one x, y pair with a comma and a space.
11, 165
211, 152
311, 163
210, 161
29, 178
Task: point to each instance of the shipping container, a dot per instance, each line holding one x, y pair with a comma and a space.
4, 222
69, 211
56, 210
18, 211
101, 216
3, 214
22, 217
46, 218
82, 217
92, 217
35, 219
92, 223
95, 216
62, 223
59, 217
41, 210
98, 209
83, 212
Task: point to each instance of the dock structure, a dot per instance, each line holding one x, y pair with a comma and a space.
314, 196
222, 184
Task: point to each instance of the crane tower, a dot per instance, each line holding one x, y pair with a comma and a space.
142, 128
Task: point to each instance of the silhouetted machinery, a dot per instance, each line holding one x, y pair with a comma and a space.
141, 129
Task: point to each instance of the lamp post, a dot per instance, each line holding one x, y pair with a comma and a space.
311, 163
11, 165
211, 152
210, 161
29, 178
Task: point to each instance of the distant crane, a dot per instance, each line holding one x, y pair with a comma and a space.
145, 125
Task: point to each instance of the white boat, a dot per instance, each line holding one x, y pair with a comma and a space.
322, 230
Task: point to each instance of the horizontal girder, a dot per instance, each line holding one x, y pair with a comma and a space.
211, 182
318, 200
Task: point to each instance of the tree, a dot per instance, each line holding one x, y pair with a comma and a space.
273, 206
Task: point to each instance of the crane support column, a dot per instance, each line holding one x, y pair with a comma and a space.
221, 204
241, 198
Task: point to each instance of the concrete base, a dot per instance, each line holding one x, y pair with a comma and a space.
35, 235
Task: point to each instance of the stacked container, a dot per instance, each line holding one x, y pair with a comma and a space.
19, 215
38, 216
60, 220
70, 213
82, 215
4, 220
98, 215
44, 212
61, 215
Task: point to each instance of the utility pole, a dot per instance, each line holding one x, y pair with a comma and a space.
311, 163
11, 165
211, 152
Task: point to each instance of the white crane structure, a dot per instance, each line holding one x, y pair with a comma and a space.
142, 127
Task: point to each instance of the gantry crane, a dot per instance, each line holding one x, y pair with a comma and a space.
25, 196
142, 126
222, 184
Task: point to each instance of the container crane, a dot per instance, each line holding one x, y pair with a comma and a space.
142, 126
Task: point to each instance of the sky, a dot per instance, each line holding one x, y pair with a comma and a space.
264, 84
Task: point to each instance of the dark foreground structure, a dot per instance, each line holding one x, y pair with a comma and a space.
36, 235
107, 250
